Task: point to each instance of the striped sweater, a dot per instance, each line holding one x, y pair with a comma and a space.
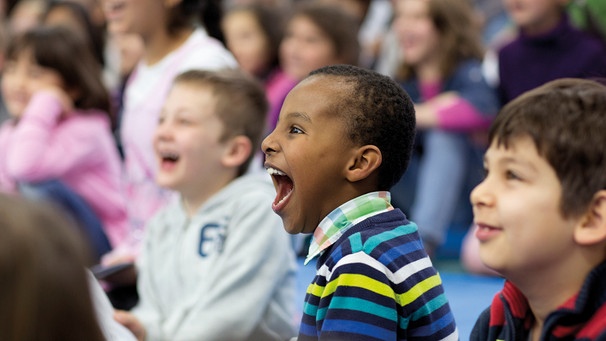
582, 317
377, 283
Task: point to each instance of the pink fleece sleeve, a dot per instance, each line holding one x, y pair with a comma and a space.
7, 184
460, 115
41, 147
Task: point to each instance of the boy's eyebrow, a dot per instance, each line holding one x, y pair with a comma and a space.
510, 160
301, 115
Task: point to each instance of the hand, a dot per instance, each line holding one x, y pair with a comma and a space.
67, 103
427, 112
131, 323
426, 116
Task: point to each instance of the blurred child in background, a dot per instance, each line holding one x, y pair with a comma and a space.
253, 33
74, 15
318, 35
547, 47
442, 54
59, 141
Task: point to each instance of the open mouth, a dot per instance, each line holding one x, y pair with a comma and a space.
284, 187
168, 159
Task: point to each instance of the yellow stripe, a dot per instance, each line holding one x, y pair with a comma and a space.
380, 288
418, 290
315, 289
360, 281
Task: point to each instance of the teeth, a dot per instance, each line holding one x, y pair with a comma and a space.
170, 156
273, 171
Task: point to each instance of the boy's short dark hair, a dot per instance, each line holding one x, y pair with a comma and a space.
241, 104
566, 120
376, 111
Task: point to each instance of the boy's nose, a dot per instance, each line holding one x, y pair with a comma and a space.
480, 196
267, 146
162, 131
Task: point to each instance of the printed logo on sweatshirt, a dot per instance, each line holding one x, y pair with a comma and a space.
212, 238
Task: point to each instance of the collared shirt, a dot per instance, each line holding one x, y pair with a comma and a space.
337, 222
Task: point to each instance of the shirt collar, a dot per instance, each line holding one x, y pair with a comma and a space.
337, 222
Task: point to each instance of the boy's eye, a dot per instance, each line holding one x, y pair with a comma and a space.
295, 130
184, 120
510, 175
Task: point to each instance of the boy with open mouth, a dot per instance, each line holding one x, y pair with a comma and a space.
344, 137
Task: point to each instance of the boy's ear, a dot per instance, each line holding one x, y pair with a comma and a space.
592, 227
366, 160
237, 151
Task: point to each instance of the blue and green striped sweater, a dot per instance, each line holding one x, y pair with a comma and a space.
377, 283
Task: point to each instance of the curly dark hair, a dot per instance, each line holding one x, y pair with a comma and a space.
377, 111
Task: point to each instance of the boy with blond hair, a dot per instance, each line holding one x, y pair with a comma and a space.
344, 137
541, 215
216, 264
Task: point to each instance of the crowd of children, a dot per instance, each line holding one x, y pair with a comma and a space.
148, 125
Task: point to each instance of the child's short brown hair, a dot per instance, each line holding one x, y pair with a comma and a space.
241, 104
566, 119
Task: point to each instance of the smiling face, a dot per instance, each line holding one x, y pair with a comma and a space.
23, 77
418, 37
517, 209
187, 142
246, 40
305, 48
307, 155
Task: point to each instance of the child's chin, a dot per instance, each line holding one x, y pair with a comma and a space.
165, 183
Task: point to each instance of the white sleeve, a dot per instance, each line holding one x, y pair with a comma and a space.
147, 310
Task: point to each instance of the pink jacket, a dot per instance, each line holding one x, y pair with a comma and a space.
79, 151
